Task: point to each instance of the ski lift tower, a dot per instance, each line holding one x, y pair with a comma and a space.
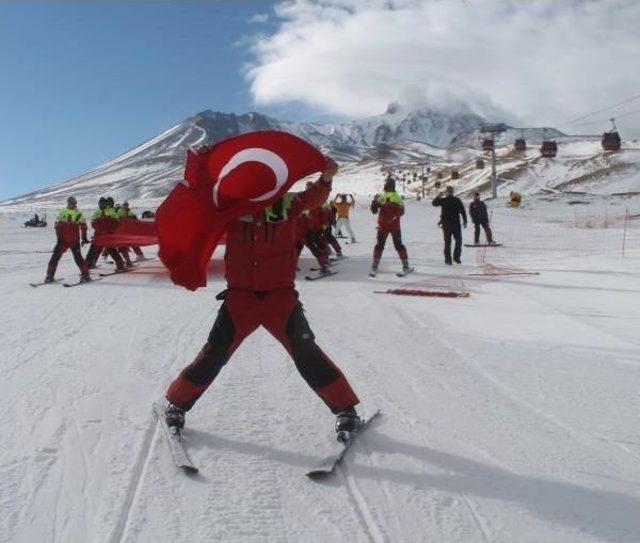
493, 129
423, 175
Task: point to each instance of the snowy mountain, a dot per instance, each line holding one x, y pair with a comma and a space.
399, 138
151, 169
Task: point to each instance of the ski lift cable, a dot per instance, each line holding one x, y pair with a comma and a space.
631, 99
617, 118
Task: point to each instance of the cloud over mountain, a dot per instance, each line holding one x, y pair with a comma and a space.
544, 61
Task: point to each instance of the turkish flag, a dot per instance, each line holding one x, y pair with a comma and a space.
238, 176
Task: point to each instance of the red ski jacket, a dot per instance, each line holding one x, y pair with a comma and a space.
389, 207
260, 252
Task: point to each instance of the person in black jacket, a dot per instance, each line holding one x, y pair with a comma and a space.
480, 217
452, 210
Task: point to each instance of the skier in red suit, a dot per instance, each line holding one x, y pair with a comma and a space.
390, 208
261, 260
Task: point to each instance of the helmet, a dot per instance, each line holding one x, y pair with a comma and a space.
71, 201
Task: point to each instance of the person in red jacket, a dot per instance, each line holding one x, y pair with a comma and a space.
261, 263
389, 207
70, 225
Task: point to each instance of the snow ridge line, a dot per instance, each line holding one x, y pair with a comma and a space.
373, 531
140, 468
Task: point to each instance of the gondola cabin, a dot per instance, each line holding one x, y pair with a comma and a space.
487, 144
479, 164
549, 149
520, 145
611, 141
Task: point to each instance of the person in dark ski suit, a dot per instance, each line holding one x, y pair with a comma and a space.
389, 207
452, 210
70, 225
260, 261
480, 217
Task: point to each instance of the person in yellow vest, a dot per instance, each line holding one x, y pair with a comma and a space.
104, 221
124, 213
70, 226
342, 206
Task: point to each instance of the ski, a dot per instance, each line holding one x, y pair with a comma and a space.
405, 272
326, 467
483, 244
79, 283
178, 451
319, 276
36, 285
117, 272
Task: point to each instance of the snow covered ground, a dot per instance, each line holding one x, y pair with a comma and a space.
508, 416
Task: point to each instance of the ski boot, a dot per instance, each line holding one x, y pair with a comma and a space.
85, 278
405, 265
49, 279
324, 269
174, 417
347, 422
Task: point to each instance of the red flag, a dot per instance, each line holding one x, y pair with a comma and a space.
238, 176
127, 232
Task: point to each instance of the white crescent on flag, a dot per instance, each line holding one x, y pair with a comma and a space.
255, 154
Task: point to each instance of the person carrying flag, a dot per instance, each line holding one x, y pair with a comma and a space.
104, 221
70, 226
261, 263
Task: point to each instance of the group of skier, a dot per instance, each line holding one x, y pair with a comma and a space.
71, 233
261, 259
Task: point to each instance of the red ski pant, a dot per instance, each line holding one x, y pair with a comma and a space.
60, 248
280, 312
317, 244
331, 240
381, 240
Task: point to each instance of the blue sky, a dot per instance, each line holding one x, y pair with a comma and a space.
81, 82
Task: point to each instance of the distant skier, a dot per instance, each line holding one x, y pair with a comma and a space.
343, 207
260, 263
390, 207
70, 226
125, 213
480, 217
104, 221
452, 210
328, 222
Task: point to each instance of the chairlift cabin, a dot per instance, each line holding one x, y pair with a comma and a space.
549, 148
455, 174
520, 145
479, 164
611, 139
487, 144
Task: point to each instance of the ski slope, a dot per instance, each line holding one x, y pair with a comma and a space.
507, 416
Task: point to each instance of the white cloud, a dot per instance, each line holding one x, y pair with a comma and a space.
259, 18
542, 62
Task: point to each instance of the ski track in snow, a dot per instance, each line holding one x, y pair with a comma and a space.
507, 416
